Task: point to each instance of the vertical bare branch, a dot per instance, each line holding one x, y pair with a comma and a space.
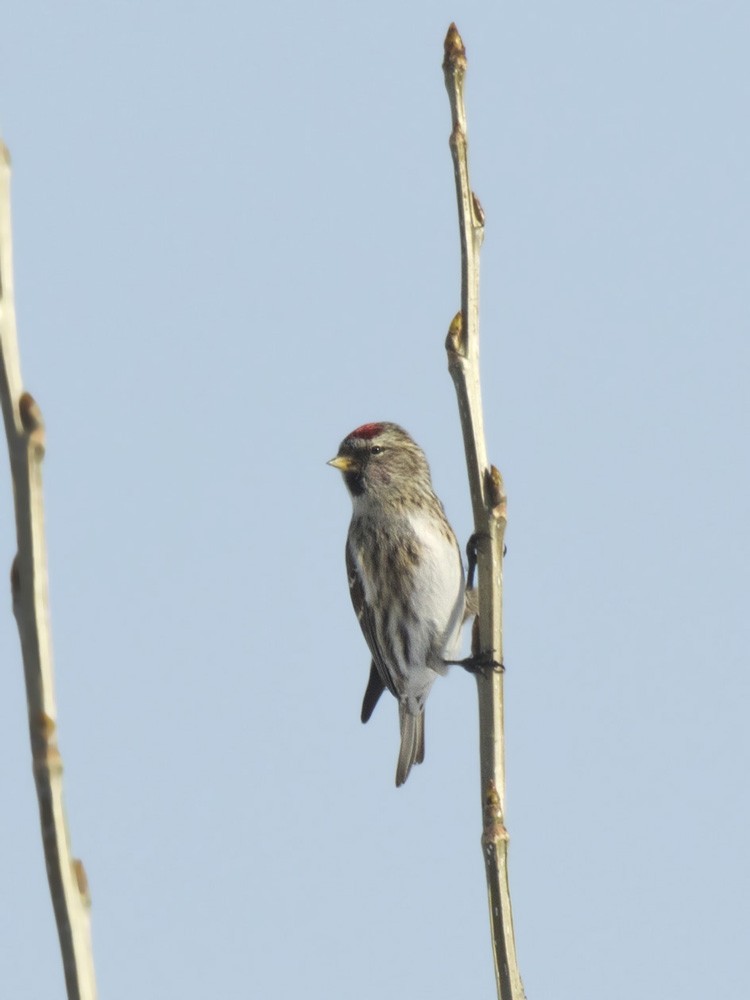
25, 431
489, 507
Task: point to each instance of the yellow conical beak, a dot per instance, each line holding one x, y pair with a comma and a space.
341, 462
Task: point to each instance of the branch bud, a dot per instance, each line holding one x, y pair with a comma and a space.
79, 873
32, 420
478, 211
455, 343
494, 487
494, 827
455, 52
15, 579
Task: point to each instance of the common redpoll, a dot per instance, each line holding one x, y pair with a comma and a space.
405, 573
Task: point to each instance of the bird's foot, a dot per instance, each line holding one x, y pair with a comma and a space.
480, 663
472, 547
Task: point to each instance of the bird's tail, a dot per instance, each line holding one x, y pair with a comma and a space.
412, 742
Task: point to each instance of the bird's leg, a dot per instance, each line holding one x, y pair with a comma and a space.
477, 663
471, 557
471, 606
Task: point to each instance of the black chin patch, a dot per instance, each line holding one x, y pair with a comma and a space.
354, 483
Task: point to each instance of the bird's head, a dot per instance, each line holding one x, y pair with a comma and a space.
381, 460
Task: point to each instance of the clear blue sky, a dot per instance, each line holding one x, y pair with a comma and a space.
235, 240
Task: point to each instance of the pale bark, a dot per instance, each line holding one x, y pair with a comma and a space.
489, 508
25, 432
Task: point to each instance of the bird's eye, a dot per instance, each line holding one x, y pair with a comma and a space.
376, 450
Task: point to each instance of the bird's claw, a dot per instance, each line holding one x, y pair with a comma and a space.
481, 663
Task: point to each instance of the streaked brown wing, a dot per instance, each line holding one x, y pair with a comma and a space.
366, 619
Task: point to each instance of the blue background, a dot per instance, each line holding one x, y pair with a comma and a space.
235, 240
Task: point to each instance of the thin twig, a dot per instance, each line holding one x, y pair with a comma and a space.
490, 513
25, 431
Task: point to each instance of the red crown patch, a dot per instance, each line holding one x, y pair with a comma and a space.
367, 431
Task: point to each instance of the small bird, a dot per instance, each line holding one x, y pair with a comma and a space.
406, 576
